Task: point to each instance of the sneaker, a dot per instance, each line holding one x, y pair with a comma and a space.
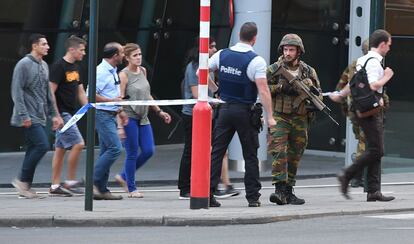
213, 202
226, 193
59, 192
184, 196
24, 190
135, 194
122, 182
33, 196
75, 189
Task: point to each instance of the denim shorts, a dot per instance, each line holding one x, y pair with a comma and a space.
70, 137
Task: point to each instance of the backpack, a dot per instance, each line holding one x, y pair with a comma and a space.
365, 101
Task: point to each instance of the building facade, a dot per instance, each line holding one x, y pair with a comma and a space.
166, 29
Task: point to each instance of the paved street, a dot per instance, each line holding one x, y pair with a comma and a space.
369, 229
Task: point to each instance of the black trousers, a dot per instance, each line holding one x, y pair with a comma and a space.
233, 118
185, 164
373, 128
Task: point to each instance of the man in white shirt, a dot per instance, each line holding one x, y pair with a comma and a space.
372, 126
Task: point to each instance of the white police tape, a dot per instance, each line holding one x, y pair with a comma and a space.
82, 111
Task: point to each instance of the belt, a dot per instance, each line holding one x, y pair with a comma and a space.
114, 113
236, 105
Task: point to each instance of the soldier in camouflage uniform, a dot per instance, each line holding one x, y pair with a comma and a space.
288, 139
346, 105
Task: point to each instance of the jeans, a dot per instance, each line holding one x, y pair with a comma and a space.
37, 145
137, 137
185, 164
110, 148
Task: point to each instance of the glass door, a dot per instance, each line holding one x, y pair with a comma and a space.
323, 27
398, 135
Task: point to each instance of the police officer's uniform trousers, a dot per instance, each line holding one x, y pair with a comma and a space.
235, 116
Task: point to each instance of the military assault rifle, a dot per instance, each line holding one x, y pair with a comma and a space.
310, 93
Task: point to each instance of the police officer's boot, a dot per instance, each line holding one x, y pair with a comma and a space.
291, 198
279, 197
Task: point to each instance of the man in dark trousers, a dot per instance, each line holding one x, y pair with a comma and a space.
372, 126
242, 76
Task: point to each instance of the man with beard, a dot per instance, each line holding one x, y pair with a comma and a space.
288, 139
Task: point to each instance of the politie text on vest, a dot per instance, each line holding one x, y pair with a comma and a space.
230, 70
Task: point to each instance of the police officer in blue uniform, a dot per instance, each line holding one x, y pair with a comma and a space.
242, 76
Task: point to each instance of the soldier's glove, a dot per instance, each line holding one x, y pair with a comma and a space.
288, 89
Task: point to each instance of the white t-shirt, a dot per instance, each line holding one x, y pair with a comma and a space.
256, 68
374, 69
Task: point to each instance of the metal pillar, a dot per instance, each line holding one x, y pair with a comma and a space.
259, 12
359, 31
90, 142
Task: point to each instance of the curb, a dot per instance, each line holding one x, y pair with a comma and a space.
57, 221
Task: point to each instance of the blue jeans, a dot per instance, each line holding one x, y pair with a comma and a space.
110, 148
37, 145
137, 137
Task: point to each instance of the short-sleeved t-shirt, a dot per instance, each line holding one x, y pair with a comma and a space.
67, 77
190, 79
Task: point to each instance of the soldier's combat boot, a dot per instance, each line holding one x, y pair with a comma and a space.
279, 197
291, 198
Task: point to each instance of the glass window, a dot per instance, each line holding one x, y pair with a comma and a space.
398, 133
399, 17
306, 14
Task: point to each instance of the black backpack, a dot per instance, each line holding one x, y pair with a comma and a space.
365, 101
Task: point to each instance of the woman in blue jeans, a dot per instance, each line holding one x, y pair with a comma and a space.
139, 140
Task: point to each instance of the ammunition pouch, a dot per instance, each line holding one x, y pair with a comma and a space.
288, 89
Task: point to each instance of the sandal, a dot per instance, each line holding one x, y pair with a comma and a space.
135, 194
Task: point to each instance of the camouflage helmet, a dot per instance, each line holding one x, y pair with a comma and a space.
293, 40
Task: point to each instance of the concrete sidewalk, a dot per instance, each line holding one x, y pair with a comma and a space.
161, 169
161, 207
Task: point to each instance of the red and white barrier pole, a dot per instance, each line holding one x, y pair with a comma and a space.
202, 113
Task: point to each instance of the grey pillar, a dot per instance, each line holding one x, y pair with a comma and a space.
260, 13
359, 30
